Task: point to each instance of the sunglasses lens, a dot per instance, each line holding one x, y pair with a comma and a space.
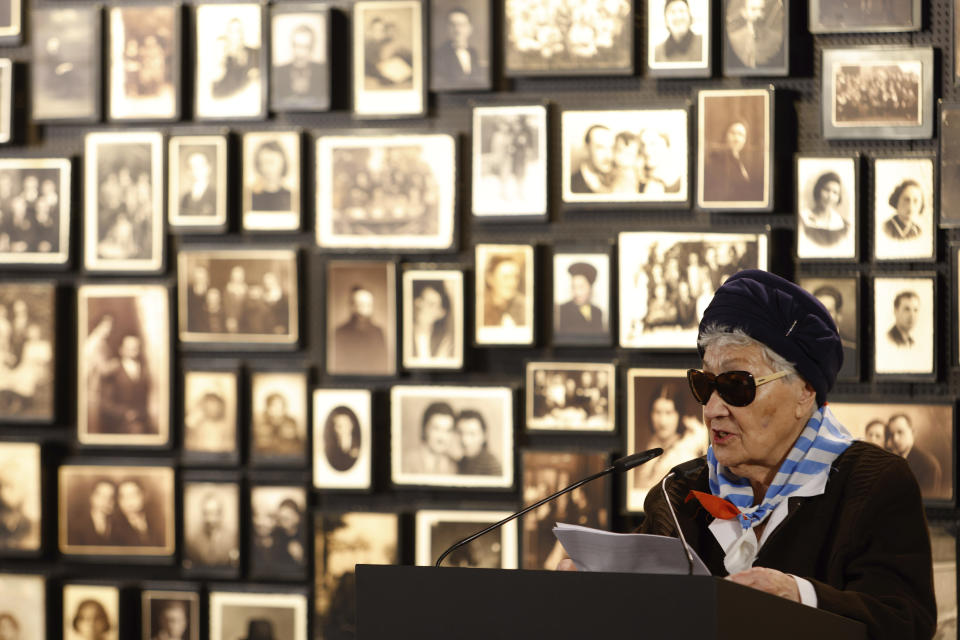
736, 388
701, 385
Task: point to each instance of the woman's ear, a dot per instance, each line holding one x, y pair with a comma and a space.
805, 398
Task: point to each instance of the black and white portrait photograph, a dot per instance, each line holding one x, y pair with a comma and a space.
756, 37
11, 22
278, 535
108, 510
211, 526
197, 181
388, 58
943, 544
300, 64
91, 611
460, 45
123, 373
668, 279
433, 319
571, 396
278, 418
949, 165
20, 490
544, 37
144, 63
452, 436
210, 414
23, 613
27, 340
65, 63
231, 62
238, 296
904, 213
438, 529
504, 290
862, 16
734, 149
361, 318
6, 96
904, 325
386, 192
581, 297
841, 297
36, 193
123, 214
827, 211
341, 439
625, 156
545, 473
679, 38
257, 616
271, 180
170, 615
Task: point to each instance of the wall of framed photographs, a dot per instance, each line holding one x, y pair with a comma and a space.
334, 283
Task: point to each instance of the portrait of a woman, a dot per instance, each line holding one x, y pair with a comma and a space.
908, 203
822, 223
432, 334
341, 438
91, 621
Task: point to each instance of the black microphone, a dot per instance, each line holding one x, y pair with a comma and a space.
619, 466
687, 469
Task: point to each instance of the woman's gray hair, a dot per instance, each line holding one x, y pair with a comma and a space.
720, 336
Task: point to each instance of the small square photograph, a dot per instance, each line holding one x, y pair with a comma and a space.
571, 396
904, 214
460, 45
581, 298
6, 95
231, 64
734, 149
437, 530
949, 165
144, 62
361, 318
210, 413
65, 64
271, 180
299, 62
853, 16
452, 436
943, 543
504, 294
20, 487
388, 58
510, 161
341, 439
11, 23
27, 341
840, 296
36, 192
756, 37
278, 540
660, 413
278, 423
827, 211
635, 156
545, 473
678, 38
544, 37
256, 616
24, 604
211, 526
904, 325
169, 615
123, 377
123, 214
91, 611
197, 182
433, 319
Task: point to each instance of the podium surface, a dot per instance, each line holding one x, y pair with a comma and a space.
426, 602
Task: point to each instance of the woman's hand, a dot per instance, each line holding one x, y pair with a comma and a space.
566, 565
769, 580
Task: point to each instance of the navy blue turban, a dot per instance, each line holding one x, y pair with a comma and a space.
786, 318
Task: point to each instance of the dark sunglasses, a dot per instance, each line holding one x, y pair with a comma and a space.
737, 388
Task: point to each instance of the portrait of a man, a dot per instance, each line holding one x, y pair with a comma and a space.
301, 78
211, 526
904, 320
360, 343
755, 34
460, 56
240, 61
341, 438
901, 439
19, 497
230, 61
906, 311
125, 392
831, 298
504, 303
200, 198
594, 171
681, 43
170, 616
579, 315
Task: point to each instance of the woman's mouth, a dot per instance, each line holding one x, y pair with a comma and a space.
721, 437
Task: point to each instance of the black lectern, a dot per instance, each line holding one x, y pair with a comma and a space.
424, 602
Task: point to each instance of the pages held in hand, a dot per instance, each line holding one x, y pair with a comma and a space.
596, 550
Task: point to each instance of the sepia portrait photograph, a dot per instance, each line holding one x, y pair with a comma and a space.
436, 530
827, 211
257, 616
65, 63
543, 37
679, 38
667, 279
230, 78
24, 608
91, 611
279, 533
545, 473
625, 156
361, 318
864, 16
949, 165
734, 149
388, 59
210, 415
385, 192
943, 543
581, 298
299, 62
509, 161
123, 208
756, 37
341, 439
211, 527
144, 62
238, 296
27, 347
461, 34
504, 294
6, 96
36, 192
123, 373
904, 212
452, 436
11, 23
108, 510
841, 297
271, 180
197, 179
278, 418
433, 318
571, 396
20, 496
904, 323
170, 615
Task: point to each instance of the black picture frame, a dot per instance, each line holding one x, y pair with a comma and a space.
300, 84
758, 47
827, 232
